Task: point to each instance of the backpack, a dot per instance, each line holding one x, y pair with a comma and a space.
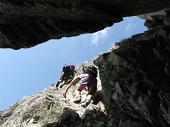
91, 70
68, 68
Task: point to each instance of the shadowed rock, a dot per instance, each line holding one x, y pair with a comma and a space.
26, 23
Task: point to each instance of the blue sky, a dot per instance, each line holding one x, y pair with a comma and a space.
26, 71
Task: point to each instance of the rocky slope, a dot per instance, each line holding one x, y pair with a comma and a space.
26, 23
45, 108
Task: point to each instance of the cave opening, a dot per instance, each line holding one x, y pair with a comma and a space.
27, 71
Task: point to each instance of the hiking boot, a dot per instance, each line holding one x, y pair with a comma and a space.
57, 84
60, 86
86, 103
77, 99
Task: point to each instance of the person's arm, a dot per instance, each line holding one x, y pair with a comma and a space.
73, 82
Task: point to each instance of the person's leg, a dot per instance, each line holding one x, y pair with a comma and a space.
91, 92
61, 81
70, 78
62, 84
57, 84
62, 76
79, 88
64, 80
77, 92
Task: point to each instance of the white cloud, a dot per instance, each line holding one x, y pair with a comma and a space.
130, 27
96, 37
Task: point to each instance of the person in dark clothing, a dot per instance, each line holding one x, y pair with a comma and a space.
66, 76
87, 79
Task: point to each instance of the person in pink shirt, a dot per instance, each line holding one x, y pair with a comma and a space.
86, 80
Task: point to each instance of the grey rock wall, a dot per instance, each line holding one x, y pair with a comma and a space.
135, 77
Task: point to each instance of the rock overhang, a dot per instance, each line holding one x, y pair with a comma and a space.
26, 23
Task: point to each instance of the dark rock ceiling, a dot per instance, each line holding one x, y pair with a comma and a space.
26, 23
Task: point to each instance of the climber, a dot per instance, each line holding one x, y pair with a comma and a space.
66, 76
87, 79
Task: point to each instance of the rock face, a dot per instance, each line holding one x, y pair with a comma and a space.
43, 110
26, 23
136, 89
135, 77
33, 110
